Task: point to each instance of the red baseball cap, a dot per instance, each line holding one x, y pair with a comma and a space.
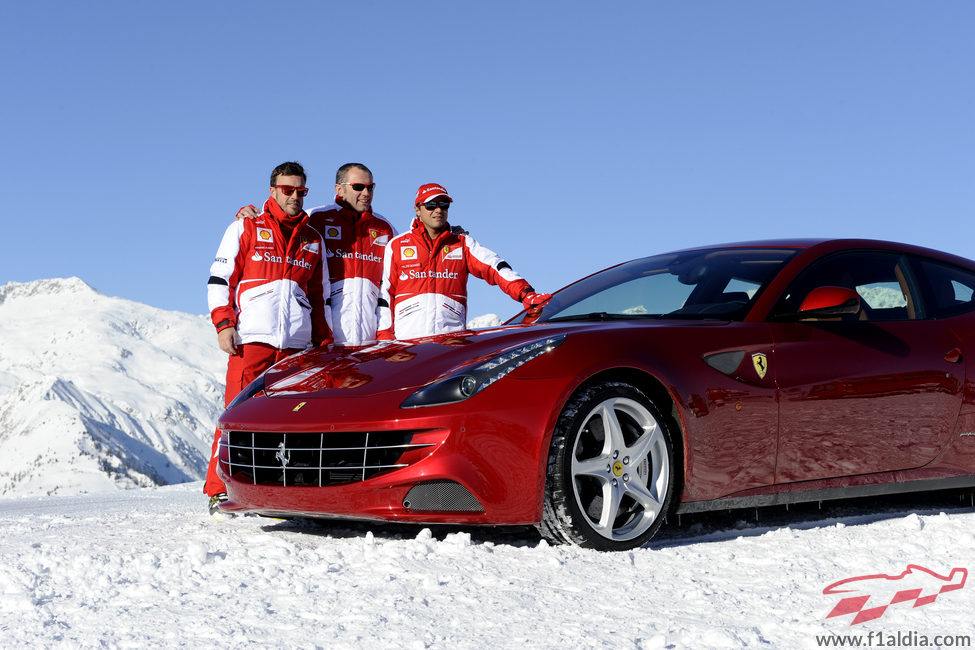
430, 191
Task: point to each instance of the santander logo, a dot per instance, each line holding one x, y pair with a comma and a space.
869, 596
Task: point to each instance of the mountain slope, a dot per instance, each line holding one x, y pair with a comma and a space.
101, 393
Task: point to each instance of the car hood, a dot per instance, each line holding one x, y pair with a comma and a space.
407, 365
387, 365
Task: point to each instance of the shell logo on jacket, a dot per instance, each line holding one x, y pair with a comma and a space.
271, 289
424, 287
354, 248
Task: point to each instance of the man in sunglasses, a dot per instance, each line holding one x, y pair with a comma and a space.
267, 291
355, 239
424, 284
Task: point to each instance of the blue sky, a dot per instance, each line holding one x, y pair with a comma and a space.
571, 135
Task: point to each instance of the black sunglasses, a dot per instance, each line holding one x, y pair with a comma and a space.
433, 205
358, 187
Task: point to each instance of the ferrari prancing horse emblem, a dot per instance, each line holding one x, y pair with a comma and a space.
760, 363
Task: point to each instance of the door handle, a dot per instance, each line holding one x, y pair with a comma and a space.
953, 355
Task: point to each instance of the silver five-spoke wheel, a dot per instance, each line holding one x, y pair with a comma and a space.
611, 470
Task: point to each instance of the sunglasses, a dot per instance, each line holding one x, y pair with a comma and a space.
433, 205
288, 190
358, 187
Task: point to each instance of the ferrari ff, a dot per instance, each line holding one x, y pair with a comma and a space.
721, 377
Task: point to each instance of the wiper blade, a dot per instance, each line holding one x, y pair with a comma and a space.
598, 315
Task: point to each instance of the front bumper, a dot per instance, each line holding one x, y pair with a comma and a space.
481, 461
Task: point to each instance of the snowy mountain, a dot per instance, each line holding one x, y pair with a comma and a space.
100, 393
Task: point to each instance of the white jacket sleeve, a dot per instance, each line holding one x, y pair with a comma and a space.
384, 306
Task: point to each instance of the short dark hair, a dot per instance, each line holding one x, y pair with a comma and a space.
288, 169
343, 171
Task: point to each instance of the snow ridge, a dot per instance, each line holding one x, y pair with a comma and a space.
53, 286
100, 393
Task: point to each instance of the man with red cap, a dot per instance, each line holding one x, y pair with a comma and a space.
266, 293
355, 238
424, 285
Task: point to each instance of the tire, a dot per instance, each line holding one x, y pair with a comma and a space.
608, 492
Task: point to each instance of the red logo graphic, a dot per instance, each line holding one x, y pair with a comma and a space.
916, 583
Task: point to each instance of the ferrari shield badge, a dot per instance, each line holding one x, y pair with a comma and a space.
760, 363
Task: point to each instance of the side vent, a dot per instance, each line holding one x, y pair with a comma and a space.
725, 362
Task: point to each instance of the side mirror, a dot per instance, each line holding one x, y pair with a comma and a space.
828, 302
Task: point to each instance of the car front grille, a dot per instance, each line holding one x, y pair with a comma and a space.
314, 459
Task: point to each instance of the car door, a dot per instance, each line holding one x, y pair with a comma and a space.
876, 391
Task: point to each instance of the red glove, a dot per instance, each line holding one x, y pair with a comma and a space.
535, 300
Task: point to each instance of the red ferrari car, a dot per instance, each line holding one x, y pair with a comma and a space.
728, 376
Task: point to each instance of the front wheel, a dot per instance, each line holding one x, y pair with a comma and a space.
610, 477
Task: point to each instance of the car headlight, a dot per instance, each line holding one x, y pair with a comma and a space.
471, 380
252, 389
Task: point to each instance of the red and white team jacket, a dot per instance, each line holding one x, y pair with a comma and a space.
354, 246
424, 288
273, 291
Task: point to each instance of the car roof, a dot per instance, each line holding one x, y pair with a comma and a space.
826, 245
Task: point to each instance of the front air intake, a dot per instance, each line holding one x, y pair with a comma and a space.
313, 459
441, 496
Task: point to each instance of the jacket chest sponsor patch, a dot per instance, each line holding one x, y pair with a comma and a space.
277, 259
355, 255
265, 235
453, 252
413, 274
377, 237
333, 232
408, 253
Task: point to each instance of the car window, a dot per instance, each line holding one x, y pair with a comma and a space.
948, 290
883, 281
721, 283
652, 294
882, 295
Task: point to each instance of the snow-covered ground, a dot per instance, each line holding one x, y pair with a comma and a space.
148, 568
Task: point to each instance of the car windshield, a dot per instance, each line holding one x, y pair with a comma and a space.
713, 284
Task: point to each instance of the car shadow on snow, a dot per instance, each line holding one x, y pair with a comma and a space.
724, 525
517, 536
678, 530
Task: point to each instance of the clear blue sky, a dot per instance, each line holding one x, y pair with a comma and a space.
572, 135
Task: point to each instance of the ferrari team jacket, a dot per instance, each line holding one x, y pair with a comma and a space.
354, 246
424, 287
273, 291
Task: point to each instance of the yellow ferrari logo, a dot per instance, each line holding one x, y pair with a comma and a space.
298, 408
617, 468
760, 363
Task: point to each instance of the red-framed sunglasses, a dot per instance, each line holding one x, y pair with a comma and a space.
288, 190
